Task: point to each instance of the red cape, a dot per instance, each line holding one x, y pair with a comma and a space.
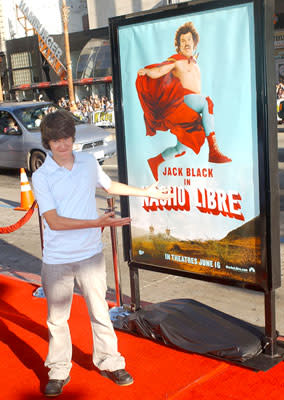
164, 109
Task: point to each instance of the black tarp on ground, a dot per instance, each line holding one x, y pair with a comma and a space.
189, 325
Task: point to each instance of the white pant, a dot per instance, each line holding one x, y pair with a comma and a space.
58, 284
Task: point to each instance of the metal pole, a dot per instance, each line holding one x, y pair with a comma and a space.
118, 294
135, 289
270, 324
65, 15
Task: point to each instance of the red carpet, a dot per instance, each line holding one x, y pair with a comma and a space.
159, 372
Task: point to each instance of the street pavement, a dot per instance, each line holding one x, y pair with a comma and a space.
20, 256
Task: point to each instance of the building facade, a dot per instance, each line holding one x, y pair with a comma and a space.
27, 73
24, 65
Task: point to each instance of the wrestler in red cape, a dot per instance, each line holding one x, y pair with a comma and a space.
170, 95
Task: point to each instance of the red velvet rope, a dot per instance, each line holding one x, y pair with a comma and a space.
21, 222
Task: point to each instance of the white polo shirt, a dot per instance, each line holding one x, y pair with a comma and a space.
72, 194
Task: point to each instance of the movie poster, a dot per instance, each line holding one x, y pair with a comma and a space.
190, 120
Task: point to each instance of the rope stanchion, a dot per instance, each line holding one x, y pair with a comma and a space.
21, 222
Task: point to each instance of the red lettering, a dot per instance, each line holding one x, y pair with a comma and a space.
179, 202
218, 202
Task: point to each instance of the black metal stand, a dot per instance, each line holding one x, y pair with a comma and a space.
270, 324
273, 352
134, 287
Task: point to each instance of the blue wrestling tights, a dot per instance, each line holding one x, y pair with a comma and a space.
203, 105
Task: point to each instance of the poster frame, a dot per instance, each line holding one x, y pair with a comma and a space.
267, 136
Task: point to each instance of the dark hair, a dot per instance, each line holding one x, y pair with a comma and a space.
182, 30
57, 125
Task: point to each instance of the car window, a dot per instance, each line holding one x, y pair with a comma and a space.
31, 116
8, 124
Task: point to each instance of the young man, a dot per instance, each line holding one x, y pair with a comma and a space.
65, 188
177, 102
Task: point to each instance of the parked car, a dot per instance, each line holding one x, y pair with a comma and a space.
20, 139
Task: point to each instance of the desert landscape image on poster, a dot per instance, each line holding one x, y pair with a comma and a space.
236, 256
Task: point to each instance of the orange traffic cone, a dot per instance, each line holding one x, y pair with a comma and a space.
27, 197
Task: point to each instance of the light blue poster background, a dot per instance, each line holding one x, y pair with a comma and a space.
226, 59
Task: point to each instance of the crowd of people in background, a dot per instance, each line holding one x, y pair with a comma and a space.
86, 107
280, 91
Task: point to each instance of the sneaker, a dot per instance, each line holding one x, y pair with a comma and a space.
120, 377
55, 386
